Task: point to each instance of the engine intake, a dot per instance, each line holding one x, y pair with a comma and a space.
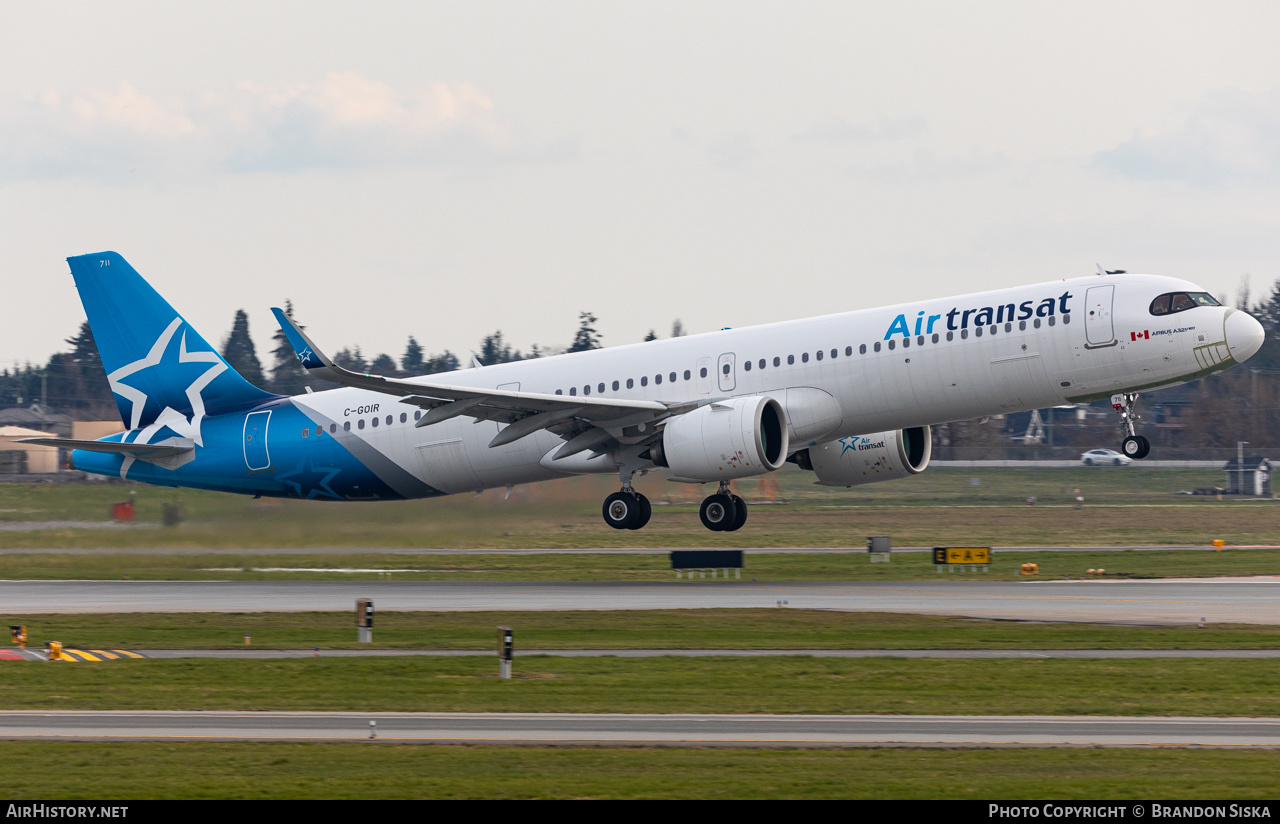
869, 459
727, 439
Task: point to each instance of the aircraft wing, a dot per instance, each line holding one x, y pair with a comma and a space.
573, 418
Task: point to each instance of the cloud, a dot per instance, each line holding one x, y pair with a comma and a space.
1228, 137
345, 120
925, 167
838, 130
732, 151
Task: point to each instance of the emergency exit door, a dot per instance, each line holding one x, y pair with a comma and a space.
725, 372
1098, 328
256, 457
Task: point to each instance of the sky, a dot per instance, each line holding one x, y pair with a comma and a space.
444, 170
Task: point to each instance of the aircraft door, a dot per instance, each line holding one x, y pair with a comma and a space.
725, 372
1098, 329
256, 457
705, 379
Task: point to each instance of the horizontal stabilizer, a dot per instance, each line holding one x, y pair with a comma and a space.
152, 452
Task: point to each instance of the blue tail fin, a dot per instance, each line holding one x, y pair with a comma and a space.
163, 373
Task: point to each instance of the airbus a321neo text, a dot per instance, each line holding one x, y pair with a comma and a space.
849, 397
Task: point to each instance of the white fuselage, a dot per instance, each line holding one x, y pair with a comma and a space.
858, 372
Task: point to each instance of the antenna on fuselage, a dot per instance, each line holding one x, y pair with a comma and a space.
1103, 272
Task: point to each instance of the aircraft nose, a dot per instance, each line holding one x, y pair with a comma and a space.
1244, 335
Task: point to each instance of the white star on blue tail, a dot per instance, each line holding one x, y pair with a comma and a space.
169, 417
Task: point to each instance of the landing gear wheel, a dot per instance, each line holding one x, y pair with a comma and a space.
1132, 447
621, 510
740, 509
1146, 447
718, 512
642, 515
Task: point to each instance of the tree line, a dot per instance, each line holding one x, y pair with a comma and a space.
75, 382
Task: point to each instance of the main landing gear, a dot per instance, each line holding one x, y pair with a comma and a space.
723, 511
1134, 446
627, 509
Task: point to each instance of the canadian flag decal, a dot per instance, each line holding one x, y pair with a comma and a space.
1144, 334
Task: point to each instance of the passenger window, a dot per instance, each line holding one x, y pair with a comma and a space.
346, 425
403, 417
586, 390
746, 365
951, 336
374, 421
1008, 327
935, 337
645, 380
777, 361
333, 427
360, 424
703, 371
306, 432
631, 382
1022, 326
964, 334
657, 379
791, 359
559, 391
877, 346
688, 375
762, 362
1036, 323
835, 352
389, 420
862, 350
892, 344
848, 350
573, 390
818, 354
804, 358
600, 388
920, 341
978, 331
1066, 318
672, 377
1052, 320
906, 342
615, 386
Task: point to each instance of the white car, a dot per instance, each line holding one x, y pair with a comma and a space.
1104, 457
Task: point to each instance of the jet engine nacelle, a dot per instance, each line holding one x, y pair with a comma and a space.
724, 440
868, 459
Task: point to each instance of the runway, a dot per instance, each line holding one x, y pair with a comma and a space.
1156, 602
626, 729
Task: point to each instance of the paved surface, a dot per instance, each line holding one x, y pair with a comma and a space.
697, 730
1162, 602
732, 653
790, 550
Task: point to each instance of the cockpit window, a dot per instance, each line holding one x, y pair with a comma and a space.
1181, 301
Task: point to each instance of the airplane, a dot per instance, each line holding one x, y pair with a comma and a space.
850, 397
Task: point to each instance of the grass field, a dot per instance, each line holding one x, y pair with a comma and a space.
915, 566
939, 507
359, 771
784, 684
659, 629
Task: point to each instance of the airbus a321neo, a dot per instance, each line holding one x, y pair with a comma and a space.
849, 397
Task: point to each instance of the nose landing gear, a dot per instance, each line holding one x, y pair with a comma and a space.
1134, 445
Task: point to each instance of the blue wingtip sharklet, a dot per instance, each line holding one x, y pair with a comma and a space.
308, 355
